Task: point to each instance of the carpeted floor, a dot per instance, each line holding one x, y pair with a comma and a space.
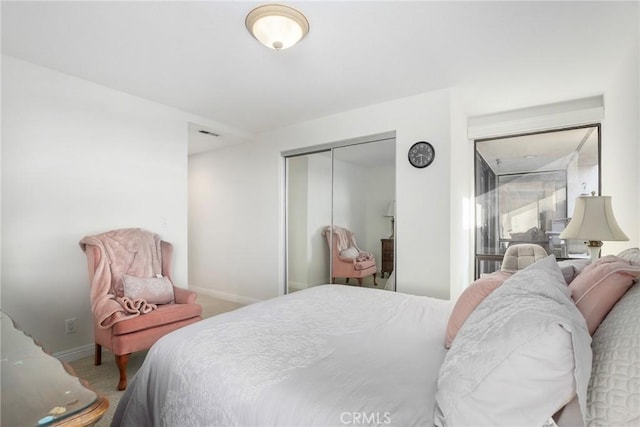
104, 378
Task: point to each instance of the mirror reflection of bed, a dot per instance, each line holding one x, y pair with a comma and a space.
351, 185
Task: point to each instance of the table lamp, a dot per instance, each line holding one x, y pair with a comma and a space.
593, 221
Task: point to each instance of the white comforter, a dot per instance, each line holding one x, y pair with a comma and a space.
326, 356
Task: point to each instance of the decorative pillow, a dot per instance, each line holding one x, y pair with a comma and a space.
572, 267
350, 252
154, 290
521, 355
614, 389
469, 300
600, 285
632, 255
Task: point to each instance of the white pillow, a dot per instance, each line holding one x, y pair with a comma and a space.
154, 290
350, 252
519, 357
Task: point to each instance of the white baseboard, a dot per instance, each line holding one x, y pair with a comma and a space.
75, 353
223, 295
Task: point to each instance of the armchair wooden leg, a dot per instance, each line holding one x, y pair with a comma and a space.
97, 357
374, 279
121, 361
347, 281
359, 281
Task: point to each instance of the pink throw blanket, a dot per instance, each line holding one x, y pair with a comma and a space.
365, 256
344, 238
131, 251
136, 306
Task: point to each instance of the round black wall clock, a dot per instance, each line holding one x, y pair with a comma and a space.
421, 154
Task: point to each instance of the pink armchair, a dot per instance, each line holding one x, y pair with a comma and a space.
348, 260
120, 330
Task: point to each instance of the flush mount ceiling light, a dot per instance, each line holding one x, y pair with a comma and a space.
277, 26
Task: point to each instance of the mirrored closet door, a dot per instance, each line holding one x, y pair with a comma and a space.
340, 211
308, 212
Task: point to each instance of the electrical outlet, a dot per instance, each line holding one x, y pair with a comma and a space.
70, 326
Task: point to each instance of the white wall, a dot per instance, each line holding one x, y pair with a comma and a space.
80, 159
621, 150
462, 202
235, 222
247, 183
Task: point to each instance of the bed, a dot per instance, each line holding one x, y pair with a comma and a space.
338, 355
325, 355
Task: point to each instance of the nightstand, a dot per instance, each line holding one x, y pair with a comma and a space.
387, 256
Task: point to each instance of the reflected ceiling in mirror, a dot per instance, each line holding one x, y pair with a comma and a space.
541, 152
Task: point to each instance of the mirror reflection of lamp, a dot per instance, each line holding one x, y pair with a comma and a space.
391, 213
593, 221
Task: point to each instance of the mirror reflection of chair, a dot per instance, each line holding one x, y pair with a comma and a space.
520, 256
348, 260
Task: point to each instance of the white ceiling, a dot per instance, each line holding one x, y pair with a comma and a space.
198, 56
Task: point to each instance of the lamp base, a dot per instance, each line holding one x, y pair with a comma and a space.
594, 249
392, 228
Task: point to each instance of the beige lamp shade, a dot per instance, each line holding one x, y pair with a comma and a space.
391, 209
593, 219
277, 26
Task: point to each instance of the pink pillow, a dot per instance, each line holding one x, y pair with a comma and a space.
154, 290
470, 299
599, 287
